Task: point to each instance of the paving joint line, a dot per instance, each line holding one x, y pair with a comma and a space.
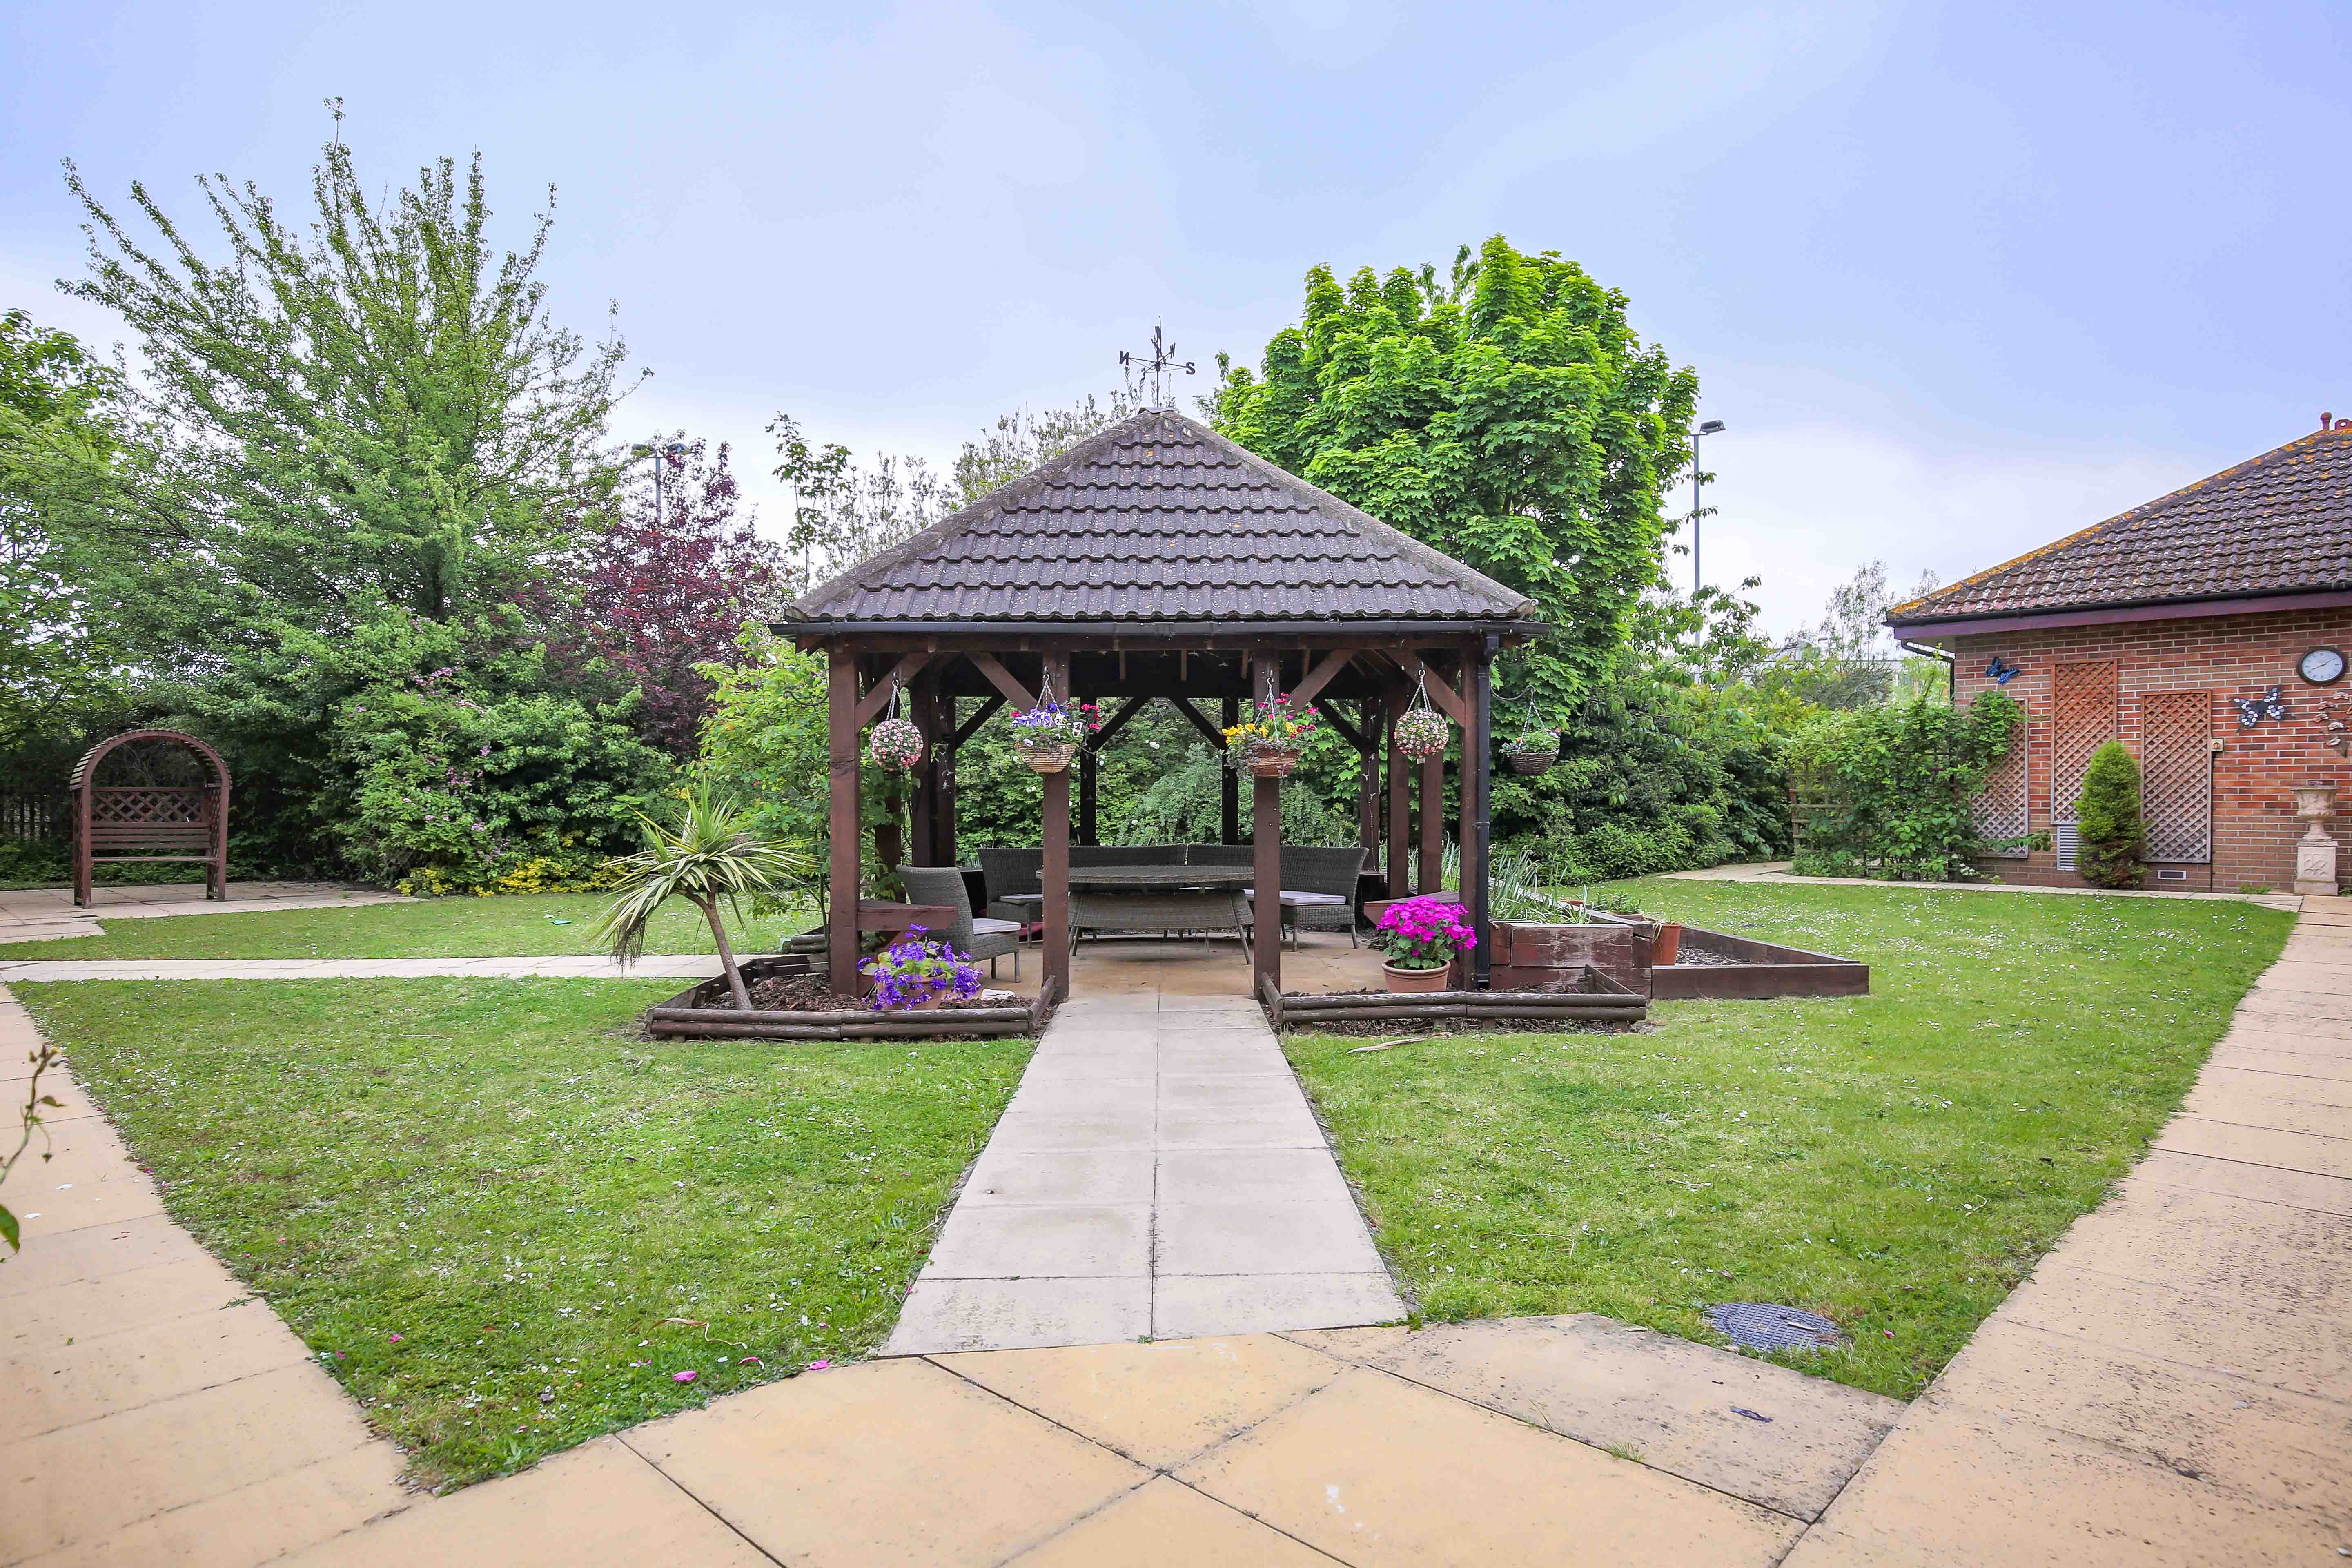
622, 1437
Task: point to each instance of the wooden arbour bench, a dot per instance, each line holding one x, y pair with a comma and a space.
143, 822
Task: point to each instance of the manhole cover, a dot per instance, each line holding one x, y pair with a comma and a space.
1761, 1325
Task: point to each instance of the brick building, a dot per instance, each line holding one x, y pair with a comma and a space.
2207, 631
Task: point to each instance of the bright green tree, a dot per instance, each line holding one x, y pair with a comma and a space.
2108, 833
1508, 414
369, 410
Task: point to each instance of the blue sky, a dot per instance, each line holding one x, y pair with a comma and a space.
1960, 277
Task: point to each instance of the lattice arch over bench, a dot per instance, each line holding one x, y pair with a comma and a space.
167, 800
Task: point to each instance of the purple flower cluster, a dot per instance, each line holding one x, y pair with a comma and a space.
911, 970
1425, 932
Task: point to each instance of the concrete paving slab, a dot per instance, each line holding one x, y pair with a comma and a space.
61, 1384
1160, 1404
2303, 1152
192, 1286
1966, 1488
1673, 1403
2254, 1058
1189, 1306
1116, 1176
598, 1506
1022, 1131
1166, 1524
1350, 1344
1195, 1176
2236, 1178
1292, 1127
96, 1252
948, 1315
93, 1479
1060, 1241
1376, 1470
1202, 1060
2304, 1353
891, 1461
255, 1523
1265, 1093
1325, 1236
2266, 1442
2281, 1258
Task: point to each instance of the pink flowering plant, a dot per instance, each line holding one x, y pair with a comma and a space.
896, 744
1423, 932
912, 971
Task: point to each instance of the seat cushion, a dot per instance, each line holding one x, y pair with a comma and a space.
982, 926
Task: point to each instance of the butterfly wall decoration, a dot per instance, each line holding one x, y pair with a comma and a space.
2001, 674
2253, 710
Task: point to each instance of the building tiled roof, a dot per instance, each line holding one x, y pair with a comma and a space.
2279, 523
1159, 519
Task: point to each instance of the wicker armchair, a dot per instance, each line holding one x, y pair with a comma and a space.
1012, 874
1319, 888
983, 938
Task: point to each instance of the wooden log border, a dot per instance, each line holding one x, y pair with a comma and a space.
692, 1016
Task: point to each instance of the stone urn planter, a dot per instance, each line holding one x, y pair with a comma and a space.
2315, 852
1414, 979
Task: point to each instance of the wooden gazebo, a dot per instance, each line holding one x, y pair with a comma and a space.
1159, 562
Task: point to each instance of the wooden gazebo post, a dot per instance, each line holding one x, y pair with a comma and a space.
1400, 800
1477, 790
1056, 840
1266, 866
841, 733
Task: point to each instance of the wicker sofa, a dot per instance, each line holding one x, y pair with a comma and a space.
1012, 875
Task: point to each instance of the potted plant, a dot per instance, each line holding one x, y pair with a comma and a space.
706, 857
1421, 734
1048, 735
896, 744
912, 975
1531, 751
1422, 937
1268, 743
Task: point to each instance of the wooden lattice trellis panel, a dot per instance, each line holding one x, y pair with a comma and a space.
2082, 720
2001, 804
2177, 775
162, 805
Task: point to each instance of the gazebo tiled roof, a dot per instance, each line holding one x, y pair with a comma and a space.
2275, 525
1159, 520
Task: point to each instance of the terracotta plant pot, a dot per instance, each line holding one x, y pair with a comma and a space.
1414, 979
1667, 945
1530, 761
1049, 759
1272, 765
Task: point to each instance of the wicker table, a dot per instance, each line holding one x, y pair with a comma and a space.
1169, 899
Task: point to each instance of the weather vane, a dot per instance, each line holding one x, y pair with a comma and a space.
1154, 371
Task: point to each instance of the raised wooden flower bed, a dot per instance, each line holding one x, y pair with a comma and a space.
1590, 996
1716, 964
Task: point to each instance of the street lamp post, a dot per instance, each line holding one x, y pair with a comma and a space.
1711, 428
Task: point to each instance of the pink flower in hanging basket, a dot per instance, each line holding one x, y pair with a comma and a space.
1421, 734
896, 744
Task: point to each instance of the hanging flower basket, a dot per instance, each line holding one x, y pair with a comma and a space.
1048, 735
1422, 733
1269, 743
1532, 751
896, 744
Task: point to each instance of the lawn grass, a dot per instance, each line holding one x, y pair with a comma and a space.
535, 925
553, 1216
1896, 1162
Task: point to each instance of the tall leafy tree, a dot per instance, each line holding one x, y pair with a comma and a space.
372, 409
1507, 413
58, 412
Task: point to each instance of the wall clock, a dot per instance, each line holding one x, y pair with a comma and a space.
2322, 667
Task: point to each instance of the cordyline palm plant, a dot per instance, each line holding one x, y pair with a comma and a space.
705, 857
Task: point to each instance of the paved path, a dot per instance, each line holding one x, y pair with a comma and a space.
2174, 1384
44, 914
583, 966
1158, 1174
